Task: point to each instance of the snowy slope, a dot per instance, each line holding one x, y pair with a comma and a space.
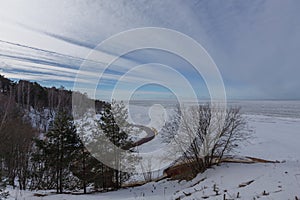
274, 138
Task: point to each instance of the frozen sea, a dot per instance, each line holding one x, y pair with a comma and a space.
288, 109
275, 108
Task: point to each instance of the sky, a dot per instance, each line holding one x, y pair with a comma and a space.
255, 45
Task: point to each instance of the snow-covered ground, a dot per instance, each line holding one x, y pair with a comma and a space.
274, 138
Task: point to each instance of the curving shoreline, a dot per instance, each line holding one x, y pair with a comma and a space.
150, 136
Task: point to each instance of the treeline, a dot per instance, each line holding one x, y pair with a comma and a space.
31, 94
56, 159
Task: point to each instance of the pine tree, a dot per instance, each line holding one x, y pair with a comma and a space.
87, 168
115, 126
60, 148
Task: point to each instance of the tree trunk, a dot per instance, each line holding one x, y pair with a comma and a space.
60, 181
57, 181
84, 173
60, 165
117, 179
28, 96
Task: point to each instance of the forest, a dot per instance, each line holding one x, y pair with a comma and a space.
45, 151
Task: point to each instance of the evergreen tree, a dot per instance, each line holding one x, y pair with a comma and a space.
87, 168
59, 148
115, 126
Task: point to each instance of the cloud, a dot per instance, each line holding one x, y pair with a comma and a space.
254, 43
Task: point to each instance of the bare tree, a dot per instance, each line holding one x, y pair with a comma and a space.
202, 140
3, 194
16, 141
147, 170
